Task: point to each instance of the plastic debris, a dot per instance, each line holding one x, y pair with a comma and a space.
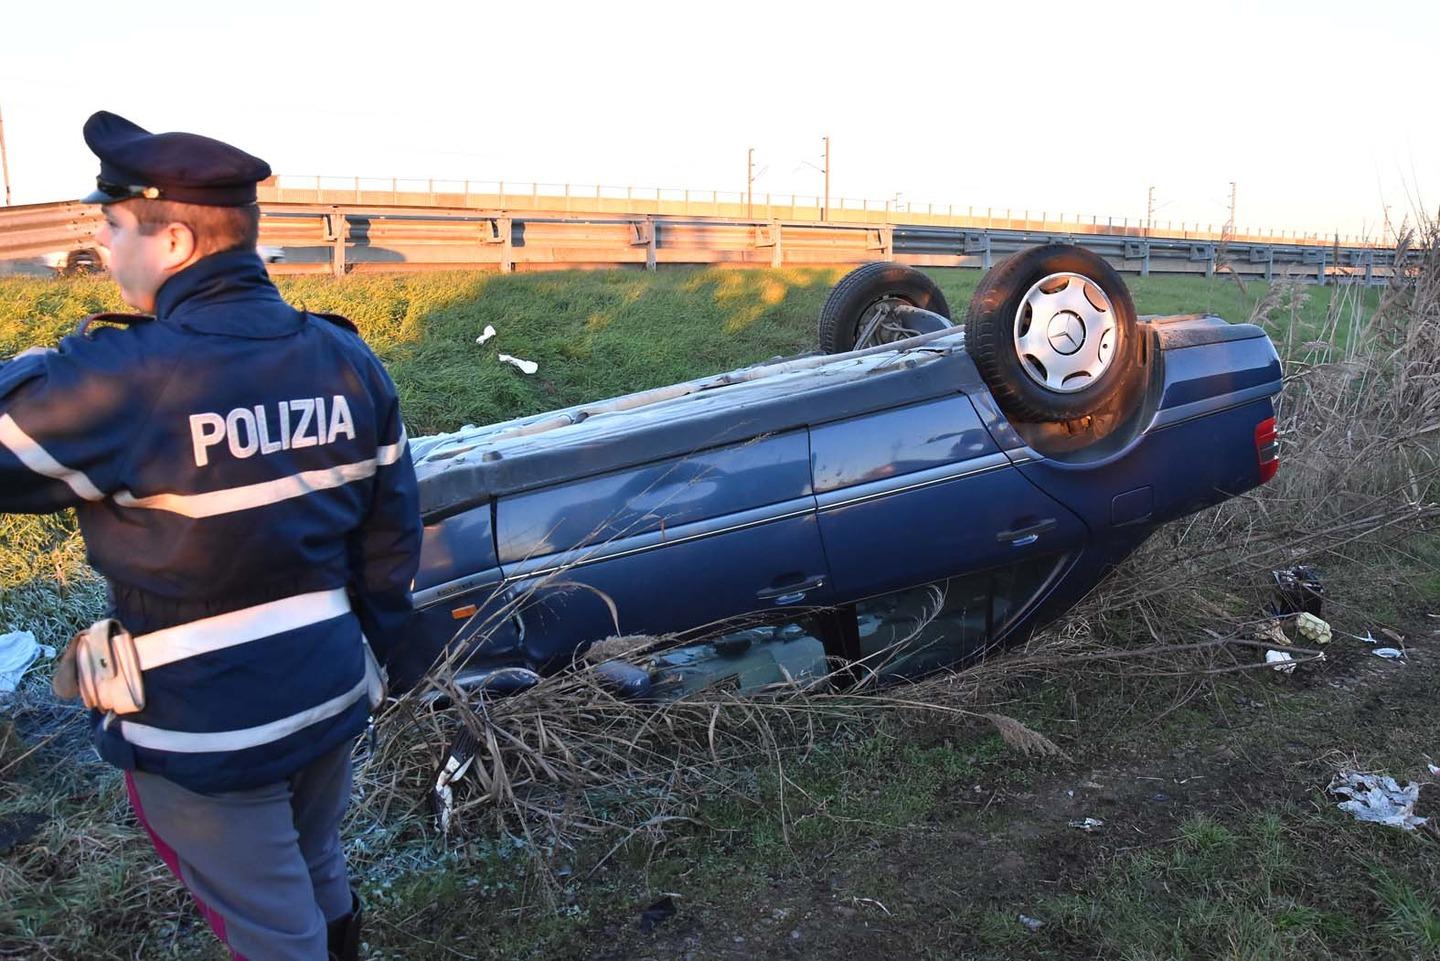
1312, 628
18, 651
1034, 924
1434, 770
1377, 798
1298, 591
526, 366
488, 333
877, 903
1087, 824
1389, 653
1282, 660
457, 761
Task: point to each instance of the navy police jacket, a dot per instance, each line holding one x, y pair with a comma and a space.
240, 473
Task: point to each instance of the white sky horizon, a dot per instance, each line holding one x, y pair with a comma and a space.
1316, 112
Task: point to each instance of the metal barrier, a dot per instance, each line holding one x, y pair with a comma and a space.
341, 238
31, 230
736, 205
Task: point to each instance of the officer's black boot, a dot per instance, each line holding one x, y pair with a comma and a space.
342, 936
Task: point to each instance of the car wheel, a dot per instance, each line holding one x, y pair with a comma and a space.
86, 261
1053, 332
854, 316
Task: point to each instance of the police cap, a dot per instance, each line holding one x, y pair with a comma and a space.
184, 167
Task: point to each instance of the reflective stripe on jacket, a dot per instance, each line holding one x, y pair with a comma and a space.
241, 475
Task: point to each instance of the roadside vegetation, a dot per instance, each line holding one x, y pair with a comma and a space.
932, 821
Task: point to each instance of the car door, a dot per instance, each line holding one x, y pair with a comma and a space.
461, 604
921, 493
663, 547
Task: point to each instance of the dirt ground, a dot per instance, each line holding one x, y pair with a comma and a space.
1005, 846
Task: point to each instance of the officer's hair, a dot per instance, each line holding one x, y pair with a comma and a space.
215, 228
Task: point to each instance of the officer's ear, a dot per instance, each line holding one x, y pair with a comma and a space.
177, 246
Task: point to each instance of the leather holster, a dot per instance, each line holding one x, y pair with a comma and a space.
102, 668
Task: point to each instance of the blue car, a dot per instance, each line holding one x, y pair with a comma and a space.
916, 493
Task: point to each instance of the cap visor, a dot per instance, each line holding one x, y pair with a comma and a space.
98, 197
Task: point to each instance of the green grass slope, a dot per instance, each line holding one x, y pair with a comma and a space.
595, 334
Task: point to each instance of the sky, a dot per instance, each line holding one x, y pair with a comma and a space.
1321, 113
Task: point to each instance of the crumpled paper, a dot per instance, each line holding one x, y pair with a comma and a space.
1378, 798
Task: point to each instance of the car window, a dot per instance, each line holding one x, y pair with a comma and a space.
747, 660
1015, 586
914, 632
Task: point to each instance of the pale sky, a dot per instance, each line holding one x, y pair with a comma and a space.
1321, 112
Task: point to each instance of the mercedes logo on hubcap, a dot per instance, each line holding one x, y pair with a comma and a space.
1066, 332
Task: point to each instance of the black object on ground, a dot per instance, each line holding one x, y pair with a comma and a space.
657, 913
1298, 591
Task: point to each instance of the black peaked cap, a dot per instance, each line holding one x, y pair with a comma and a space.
185, 167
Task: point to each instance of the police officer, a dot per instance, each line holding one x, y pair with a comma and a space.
240, 473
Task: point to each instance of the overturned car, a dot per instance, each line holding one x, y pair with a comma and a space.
921, 488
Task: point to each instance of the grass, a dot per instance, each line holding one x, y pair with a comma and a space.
894, 836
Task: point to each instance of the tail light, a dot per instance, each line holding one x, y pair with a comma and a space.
1267, 448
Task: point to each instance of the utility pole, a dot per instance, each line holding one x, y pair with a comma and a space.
825, 210
4, 161
1149, 210
749, 183
1230, 224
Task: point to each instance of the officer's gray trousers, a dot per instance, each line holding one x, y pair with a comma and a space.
265, 865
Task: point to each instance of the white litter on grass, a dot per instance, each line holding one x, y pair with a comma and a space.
18, 651
1378, 798
526, 366
1034, 924
1087, 824
489, 332
453, 771
1283, 662
1389, 653
1434, 770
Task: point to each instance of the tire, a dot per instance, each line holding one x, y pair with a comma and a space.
844, 317
86, 261
1089, 354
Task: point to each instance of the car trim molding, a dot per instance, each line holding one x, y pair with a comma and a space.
660, 540
447, 590
845, 497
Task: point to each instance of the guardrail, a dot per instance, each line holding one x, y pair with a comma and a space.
736, 205
339, 239
31, 230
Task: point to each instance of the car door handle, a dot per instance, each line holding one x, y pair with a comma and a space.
790, 593
1021, 536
